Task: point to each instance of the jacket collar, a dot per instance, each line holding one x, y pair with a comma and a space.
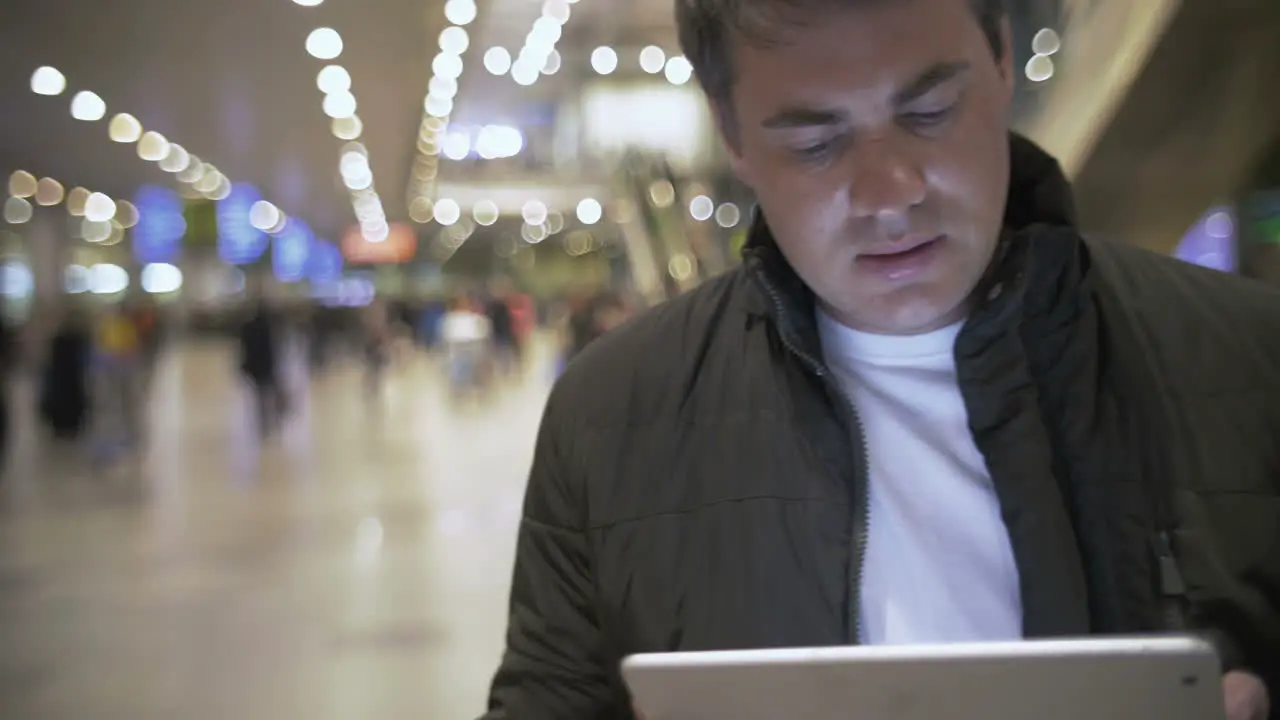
1039, 197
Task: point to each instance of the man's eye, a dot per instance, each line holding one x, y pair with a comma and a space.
816, 151
929, 119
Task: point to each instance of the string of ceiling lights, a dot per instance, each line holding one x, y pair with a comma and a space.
442, 89
340, 104
540, 57
197, 178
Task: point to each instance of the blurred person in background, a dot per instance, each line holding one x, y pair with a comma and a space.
924, 410
64, 379
378, 342
118, 370
506, 351
260, 363
467, 337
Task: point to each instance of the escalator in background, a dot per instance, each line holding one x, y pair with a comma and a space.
1192, 131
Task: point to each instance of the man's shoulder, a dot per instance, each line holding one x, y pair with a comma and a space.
1193, 317
632, 367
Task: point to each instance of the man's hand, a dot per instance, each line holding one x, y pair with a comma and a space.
1245, 696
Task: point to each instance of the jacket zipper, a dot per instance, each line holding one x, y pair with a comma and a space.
862, 480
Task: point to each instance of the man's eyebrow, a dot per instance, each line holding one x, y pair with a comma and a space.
800, 117
929, 79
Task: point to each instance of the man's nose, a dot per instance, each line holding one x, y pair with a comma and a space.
887, 181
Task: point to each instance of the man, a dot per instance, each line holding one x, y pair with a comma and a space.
925, 409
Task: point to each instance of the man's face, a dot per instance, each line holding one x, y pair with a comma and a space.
876, 144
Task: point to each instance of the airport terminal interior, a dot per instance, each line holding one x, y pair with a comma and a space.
286, 284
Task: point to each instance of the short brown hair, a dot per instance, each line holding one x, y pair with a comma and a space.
707, 28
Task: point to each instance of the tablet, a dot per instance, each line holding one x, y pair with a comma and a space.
1164, 678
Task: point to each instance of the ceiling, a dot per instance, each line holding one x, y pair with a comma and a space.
232, 82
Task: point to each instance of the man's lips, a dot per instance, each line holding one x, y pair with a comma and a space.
898, 247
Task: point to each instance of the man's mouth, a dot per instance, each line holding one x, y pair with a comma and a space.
903, 246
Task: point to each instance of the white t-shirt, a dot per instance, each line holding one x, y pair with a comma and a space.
939, 566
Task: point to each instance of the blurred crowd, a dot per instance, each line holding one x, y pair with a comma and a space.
94, 364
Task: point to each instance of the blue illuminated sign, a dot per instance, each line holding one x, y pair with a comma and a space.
157, 238
324, 265
290, 251
239, 242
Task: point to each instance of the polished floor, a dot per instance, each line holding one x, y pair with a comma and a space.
357, 566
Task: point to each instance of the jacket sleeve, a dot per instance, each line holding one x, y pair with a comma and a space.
553, 666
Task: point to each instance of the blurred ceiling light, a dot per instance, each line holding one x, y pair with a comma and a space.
161, 278
153, 146
1039, 68
49, 192
333, 79
497, 60
76, 200
222, 190
438, 106
127, 214
353, 163
280, 226
347, 128
421, 210
177, 160
554, 223
263, 215
17, 211
1046, 42
590, 211
456, 145
557, 10
107, 279
604, 60
376, 234
534, 212
680, 267
485, 212
553, 63
340, 104
443, 87
544, 34
454, 40
652, 59
524, 74
95, 231
499, 141
88, 106
124, 128
447, 211
48, 81
99, 208
209, 179
324, 43
701, 208
358, 180
728, 215
662, 193
460, 12
193, 172
678, 70
1220, 225
355, 147
22, 184
308, 3
447, 65
533, 234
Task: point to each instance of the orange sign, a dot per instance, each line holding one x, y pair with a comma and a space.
400, 246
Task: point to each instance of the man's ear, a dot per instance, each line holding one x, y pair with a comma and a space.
1005, 66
